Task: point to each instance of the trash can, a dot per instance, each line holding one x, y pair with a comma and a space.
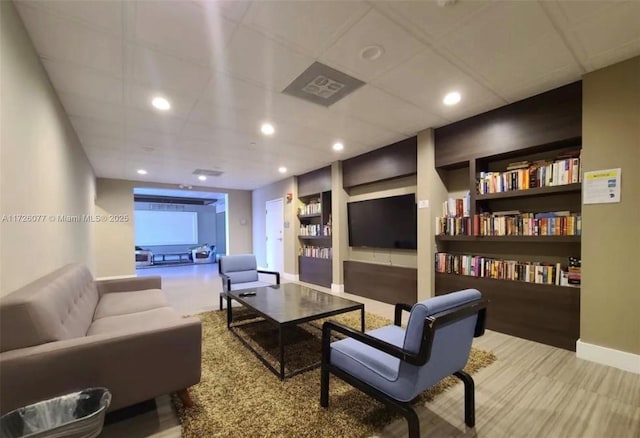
76, 415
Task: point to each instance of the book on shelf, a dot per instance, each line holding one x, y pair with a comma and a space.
455, 219
514, 223
523, 175
488, 267
316, 252
313, 207
315, 230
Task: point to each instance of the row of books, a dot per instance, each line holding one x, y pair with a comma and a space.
457, 207
311, 208
487, 267
316, 251
512, 223
559, 223
525, 175
315, 230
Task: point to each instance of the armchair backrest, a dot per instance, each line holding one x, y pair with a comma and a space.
241, 268
451, 343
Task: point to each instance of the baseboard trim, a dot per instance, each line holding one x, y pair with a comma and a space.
608, 356
339, 288
290, 277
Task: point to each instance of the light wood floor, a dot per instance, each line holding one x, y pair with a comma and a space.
532, 390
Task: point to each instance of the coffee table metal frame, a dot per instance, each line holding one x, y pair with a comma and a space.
246, 302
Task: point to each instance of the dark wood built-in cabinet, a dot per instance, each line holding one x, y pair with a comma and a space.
544, 127
314, 233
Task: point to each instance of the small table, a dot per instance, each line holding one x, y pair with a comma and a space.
287, 305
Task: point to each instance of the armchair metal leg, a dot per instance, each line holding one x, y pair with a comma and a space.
469, 398
413, 422
324, 387
220, 301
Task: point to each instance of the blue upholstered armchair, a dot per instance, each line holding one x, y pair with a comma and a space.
241, 272
394, 365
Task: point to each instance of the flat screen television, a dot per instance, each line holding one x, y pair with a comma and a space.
384, 222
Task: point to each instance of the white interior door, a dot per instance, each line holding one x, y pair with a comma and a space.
275, 235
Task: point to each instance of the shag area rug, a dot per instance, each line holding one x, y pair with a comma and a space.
238, 396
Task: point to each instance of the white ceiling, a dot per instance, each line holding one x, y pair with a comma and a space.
223, 65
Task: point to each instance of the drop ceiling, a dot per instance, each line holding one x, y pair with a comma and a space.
223, 65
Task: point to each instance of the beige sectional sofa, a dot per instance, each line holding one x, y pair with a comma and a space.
66, 332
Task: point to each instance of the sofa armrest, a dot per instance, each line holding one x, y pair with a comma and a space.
128, 284
134, 366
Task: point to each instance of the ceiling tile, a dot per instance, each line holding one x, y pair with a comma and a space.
231, 9
427, 77
612, 35
101, 14
431, 19
65, 40
308, 26
140, 96
261, 60
88, 129
153, 120
226, 91
183, 29
97, 110
84, 82
381, 108
511, 44
162, 71
373, 29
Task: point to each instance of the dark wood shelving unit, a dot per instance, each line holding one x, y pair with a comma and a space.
520, 239
315, 187
314, 237
540, 312
544, 127
308, 216
536, 191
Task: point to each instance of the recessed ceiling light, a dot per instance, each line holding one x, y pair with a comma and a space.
338, 146
202, 178
267, 129
452, 98
142, 172
161, 103
282, 169
371, 53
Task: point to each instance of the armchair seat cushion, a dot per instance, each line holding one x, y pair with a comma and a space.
122, 303
371, 365
134, 322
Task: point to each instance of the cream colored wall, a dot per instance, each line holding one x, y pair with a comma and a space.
396, 257
610, 301
44, 170
431, 188
339, 227
115, 242
259, 198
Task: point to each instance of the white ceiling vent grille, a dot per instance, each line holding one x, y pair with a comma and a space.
323, 85
207, 172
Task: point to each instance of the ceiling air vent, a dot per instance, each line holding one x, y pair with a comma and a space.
206, 172
323, 85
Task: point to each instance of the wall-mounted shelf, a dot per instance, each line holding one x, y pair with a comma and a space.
314, 237
519, 239
536, 191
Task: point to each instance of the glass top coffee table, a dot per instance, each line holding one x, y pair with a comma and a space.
287, 305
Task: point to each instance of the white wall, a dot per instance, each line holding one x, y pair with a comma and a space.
43, 168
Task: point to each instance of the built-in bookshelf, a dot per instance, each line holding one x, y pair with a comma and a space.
314, 228
514, 232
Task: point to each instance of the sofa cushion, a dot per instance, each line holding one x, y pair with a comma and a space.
55, 307
122, 303
134, 322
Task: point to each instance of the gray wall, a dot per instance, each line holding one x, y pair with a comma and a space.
221, 233
206, 226
43, 168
